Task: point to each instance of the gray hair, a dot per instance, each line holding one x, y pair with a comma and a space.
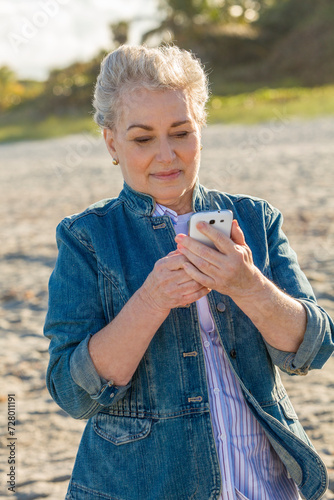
131, 67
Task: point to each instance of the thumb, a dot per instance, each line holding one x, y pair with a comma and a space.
174, 252
236, 233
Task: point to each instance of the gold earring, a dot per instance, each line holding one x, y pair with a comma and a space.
115, 161
201, 147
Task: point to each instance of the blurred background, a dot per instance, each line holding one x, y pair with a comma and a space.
258, 53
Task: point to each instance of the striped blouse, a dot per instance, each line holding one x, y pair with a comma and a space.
250, 468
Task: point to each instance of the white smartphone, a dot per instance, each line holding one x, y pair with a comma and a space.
220, 219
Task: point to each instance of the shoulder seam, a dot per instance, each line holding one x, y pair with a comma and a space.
99, 212
74, 233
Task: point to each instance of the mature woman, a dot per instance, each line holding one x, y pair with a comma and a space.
168, 347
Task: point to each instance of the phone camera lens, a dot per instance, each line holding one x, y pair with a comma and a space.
212, 221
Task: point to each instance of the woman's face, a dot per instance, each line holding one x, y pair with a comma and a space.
157, 144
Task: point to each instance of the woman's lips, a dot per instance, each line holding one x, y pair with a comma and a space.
168, 175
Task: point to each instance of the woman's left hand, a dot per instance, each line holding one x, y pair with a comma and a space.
229, 270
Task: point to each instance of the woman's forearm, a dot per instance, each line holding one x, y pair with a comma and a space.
117, 349
280, 319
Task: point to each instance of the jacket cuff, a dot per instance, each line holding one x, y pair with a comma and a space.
85, 375
298, 363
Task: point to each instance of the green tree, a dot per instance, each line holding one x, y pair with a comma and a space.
11, 91
196, 16
220, 32
119, 32
299, 35
6, 75
254, 41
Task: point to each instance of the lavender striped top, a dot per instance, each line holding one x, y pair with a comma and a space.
250, 468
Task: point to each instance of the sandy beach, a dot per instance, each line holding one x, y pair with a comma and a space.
288, 162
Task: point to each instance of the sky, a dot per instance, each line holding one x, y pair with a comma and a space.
39, 35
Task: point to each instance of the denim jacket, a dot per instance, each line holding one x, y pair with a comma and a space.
153, 439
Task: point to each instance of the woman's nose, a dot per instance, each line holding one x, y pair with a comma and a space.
166, 153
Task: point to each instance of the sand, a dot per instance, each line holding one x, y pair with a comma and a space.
285, 161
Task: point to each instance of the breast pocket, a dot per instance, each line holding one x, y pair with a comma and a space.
121, 430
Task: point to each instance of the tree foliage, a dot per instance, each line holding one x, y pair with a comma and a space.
208, 14
221, 32
14, 92
245, 39
300, 34
119, 32
241, 42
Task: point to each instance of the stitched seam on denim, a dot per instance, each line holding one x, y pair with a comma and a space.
196, 465
93, 211
84, 242
68, 224
136, 211
281, 394
88, 413
281, 403
242, 197
78, 238
94, 492
265, 404
159, 416
107, 302
112, 282
258, 202
128, 201
127, 439
288, 410
268, 221
269, 214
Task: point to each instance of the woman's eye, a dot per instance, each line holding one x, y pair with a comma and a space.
181, 135
142, 140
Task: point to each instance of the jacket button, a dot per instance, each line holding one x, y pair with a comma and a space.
233, 353
221, 307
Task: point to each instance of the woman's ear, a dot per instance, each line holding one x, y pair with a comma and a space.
109, 139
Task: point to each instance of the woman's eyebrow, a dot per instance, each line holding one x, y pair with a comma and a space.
139, 125
178, 124
147, 127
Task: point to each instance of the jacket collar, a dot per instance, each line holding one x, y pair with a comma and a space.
144, 204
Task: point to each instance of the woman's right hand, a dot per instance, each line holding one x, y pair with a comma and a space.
169, 286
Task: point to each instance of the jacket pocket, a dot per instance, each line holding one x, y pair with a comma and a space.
121, 430
287, 408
